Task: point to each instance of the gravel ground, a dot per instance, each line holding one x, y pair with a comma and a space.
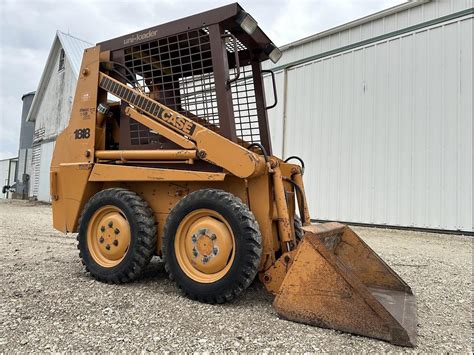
48, 303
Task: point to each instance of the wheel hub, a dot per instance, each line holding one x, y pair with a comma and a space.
204, 245
210, 245
114, 236
108, 236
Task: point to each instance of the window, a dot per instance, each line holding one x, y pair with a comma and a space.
61, 60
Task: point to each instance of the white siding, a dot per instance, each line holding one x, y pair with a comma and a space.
7, 169
275, 115
386, 129
53, 113
35, 176
52, 117
46, 156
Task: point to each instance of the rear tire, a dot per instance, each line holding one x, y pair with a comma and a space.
212, 246
117, 235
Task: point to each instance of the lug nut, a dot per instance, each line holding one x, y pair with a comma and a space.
194, 238
101, 240
107, 247
195, 252
117, 231
111, 224
102, 229
215, 251
213, 237
115, 242
205, 259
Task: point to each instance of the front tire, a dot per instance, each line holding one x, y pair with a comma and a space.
117, 235
212, 246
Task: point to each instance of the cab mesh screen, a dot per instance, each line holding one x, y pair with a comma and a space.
177, 71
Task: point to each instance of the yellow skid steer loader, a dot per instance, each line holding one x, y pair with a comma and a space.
168, 153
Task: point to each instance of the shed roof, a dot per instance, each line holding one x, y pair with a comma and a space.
357, 32
73, 50
9, 159
28, 94
360, 21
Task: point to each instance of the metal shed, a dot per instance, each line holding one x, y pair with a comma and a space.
381, 110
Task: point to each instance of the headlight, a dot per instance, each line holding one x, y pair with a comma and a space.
247, 22
273, 52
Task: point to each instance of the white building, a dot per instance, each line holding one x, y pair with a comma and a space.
52, 105
8, 168
380, 109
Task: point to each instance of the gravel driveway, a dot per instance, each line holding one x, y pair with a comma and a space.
48, 303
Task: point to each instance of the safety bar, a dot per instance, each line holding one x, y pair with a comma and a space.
275, 97
236, 55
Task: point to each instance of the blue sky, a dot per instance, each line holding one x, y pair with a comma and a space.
27, 29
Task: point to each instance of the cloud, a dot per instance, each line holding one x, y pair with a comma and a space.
27, 30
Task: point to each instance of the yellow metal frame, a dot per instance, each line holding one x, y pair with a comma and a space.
105, 172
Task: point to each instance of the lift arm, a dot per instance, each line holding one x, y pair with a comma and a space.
212, 147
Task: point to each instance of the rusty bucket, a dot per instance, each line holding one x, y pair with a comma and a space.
336, 281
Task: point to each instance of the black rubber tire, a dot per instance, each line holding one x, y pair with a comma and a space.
298, 229
248, 246
143, 235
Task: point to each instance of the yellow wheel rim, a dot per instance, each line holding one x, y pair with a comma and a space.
204, 246
108, 236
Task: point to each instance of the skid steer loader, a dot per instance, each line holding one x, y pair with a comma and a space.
168, 153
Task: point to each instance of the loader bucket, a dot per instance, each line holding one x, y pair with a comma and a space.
336, 281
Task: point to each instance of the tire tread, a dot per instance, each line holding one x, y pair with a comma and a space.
146, 235
252, 244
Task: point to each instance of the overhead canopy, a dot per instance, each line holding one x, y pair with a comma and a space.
228, 15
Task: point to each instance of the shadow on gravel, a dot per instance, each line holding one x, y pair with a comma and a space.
155, 271
155, 279
255, 296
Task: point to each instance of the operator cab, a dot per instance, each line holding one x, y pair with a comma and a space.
206, 67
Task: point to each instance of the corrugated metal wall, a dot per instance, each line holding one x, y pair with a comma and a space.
385, 129
8, 169
35, 176
47, 150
